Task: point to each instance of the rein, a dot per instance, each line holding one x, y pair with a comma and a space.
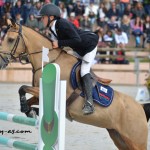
34, 71
25, 53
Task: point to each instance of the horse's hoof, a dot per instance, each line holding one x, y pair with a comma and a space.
88, 109
24, 108
24, 105
31, 114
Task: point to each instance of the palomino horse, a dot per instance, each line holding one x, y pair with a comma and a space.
124, 119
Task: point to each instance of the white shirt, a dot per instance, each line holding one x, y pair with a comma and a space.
64, 14
107, 38
53, 38
121, 38
92, 8
101, 13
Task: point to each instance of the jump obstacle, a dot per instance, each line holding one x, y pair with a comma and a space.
52, 103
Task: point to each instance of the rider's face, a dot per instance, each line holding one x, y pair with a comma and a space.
45, 20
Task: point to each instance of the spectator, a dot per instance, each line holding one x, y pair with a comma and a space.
113, 11
79, 8
7, 7
146, 4
85, 23
37, 8
109, 39
32, 22
69, 7
63, 10
18, 18
125, 25
112, 24
91, 11
128, 11
41, 27
121, 41
73, 19
17, 9
100, 32
134, 2
123, 4
146, 31
101, 15
3, 26
1, 8
137, 30
139, 11
2, 2
47, 2
121, 38
28, 8
107, 4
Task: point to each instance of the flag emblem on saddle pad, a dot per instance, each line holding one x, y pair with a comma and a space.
103, 94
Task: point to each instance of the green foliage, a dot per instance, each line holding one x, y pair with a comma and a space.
148, 82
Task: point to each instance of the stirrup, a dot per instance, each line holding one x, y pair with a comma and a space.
88, 108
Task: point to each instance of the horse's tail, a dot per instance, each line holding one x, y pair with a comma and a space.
146, 108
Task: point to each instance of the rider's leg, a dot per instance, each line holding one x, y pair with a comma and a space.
87, 87
87, 82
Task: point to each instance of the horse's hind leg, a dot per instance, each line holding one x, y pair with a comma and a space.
124, 143
24, 103
117, 139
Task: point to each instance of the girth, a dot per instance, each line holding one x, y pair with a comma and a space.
75, 94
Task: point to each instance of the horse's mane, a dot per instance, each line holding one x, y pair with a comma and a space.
38, 33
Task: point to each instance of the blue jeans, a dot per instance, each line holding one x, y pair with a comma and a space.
122, 8
147, 8
137, 40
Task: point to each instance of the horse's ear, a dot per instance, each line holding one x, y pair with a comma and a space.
11, 22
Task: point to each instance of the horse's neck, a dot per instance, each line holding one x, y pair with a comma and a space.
35, 43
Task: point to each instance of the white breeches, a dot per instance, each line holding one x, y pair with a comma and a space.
86, 65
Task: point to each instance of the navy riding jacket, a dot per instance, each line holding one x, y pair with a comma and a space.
79, 40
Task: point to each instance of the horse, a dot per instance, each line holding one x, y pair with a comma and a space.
124, 119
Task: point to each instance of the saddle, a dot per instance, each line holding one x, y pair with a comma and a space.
102, 92
75, 75
77, 67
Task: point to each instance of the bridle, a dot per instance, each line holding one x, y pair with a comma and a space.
10, 55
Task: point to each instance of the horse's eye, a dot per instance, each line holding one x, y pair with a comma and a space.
10, 40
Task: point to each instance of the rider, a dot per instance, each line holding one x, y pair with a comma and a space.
84, 43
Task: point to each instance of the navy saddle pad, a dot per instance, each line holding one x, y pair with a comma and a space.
102, 94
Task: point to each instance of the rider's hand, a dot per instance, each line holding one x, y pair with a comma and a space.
55, 44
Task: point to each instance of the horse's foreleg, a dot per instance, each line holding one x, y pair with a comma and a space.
33, 111
26, 105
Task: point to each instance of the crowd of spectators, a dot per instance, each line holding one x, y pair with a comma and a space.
115, 21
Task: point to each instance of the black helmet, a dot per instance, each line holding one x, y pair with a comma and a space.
50, 10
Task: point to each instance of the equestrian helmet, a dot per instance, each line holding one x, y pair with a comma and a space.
50, 10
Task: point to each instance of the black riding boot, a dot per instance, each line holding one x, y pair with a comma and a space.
88, 107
